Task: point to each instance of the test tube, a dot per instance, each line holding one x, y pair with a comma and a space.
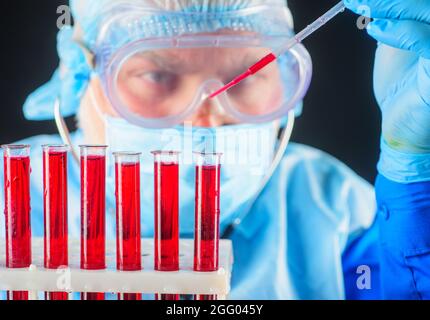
55, 209
93, 206
207, 215
166, 176
127, 191
17, 210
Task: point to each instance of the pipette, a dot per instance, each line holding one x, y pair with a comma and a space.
317, 24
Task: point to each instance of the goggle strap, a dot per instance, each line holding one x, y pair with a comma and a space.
88, 54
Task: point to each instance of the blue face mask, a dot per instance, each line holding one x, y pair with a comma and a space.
248, 152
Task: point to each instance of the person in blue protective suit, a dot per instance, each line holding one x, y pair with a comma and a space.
137, 73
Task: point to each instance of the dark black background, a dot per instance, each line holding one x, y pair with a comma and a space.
340, 116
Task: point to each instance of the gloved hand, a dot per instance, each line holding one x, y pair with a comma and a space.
402, 84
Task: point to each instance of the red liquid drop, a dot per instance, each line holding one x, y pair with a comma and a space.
129, 256
17, 216
166, 217
93, 221
55, 218
207, 214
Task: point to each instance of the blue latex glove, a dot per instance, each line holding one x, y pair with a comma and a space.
402, 84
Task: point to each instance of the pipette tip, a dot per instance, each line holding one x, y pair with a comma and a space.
223, 89
218, 92
231, 84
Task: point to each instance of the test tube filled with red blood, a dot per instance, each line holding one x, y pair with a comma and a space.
55, 209
17, 210
207, 215
93, 206
166, 242
127, 191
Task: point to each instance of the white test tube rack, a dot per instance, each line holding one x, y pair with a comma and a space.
72, 279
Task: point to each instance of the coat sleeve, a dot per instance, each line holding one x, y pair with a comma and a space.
361, 266
396, 249
404, 227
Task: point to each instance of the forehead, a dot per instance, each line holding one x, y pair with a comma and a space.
113, 24
207, 48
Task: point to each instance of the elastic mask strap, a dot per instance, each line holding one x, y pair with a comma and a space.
63, 130
95, 104
62, 126
59, 119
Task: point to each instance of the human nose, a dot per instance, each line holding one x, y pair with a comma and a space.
208, 115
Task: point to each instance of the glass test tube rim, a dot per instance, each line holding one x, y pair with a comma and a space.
165, 153
166, 157
132, 157
10, 149
93, 150
95, 146
126, 153
56, 147
202, 153
14, 146
201, 158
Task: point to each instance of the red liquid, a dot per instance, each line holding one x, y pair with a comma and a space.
17, 216
94, 296
207, 213
167, 297
56, 296
17, 295
129, 296
93, 222
129, 254
55, 218
166, 217
201, 297
166, 220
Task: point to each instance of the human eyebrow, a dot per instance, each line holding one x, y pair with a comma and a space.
169, 64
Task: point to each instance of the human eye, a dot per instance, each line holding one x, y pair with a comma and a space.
167, 80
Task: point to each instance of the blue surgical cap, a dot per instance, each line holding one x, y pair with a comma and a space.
69, 82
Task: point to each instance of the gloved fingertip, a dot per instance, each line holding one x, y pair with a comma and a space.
377, 26
350, 4
380, 24
356, 6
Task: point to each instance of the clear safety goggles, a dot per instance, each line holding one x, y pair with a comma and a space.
159, 82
